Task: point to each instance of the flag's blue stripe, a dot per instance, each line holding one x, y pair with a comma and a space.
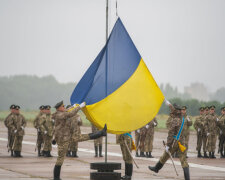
122, 60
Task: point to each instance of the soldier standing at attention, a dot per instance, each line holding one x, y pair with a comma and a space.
172, 145
137, 140
204, 133
97, 142
76, 122
211, 129
150, 137
62, 133
125, 141
10, 132
221, 125
47, 127
186, 128
18, 125
198, 125
40, 136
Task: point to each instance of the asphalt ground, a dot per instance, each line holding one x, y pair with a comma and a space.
32, 167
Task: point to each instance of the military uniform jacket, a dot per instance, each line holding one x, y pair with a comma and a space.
221, 124
187, 124
199, 123
151, 127
8, 119
76, 122
211, 124
173, 131
37, 120
47, 124
16, 122
63, 124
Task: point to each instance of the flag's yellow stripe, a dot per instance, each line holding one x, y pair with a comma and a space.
131, 106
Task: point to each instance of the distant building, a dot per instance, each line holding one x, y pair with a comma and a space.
197, 91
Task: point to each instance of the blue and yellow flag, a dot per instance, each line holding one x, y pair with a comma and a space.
118, 88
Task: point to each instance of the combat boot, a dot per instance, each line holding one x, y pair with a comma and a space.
128, 171
48, 154
98, 134
142, 154
205, 155
199, 154
19, 154
150, 155
213, 155
157, 167
146, 155
68, 154
11, 153
57, 170
96, 151
74, 154
44, 153
137, 155
15, 154
186, 173
210, 155
39, 152
100, 151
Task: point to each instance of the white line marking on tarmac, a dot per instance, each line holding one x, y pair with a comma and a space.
206, 167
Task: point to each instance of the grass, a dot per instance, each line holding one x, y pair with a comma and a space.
30, 115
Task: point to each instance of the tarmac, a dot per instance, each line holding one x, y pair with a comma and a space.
31, 167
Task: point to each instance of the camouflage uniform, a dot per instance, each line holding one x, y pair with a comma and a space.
221, 125
211, 130
199, 127
17, 125
11, 135
97, 143
47, 128
169, 120
137, 140
150, 137
143, 132
40, 136
186, 131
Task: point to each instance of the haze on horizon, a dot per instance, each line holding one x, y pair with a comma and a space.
180, 41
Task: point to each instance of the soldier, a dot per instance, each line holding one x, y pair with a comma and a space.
150, 137
47, 128
76, 122
10, 132
97, 142
125, 141
211, 130
221, 125
198, 125
17, 124
186, 128
62, 133
204, 133
36, 123
142, 141
137, 140
172, 146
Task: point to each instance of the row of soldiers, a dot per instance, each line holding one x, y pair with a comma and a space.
208, 126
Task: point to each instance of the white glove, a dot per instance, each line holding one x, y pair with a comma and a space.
22, 127
167, 149
208, 134
38, 130
217, 119
83, 104
199, 129
138, 131
167, 102
155, 124
53, 120
15, 131
147, 126
79, 119
188, 119
221, 132
45, 132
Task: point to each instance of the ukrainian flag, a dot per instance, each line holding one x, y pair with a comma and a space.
118, 88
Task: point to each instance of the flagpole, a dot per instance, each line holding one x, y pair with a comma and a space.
107, 14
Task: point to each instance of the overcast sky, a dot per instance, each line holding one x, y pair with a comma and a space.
181, 41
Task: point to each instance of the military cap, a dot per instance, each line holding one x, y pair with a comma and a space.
47, 107
42, 107
207, 108
176, 106
13, 106
223, 108
17, 107
68, 106
59, 104
212, 107
184, 107
201, 108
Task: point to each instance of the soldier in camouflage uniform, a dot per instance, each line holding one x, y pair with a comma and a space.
47, 128
10, 133
76, 122
17, 124
221, 125
142, 141
186, 128
204, 133
172, 145
150, 137
198, 125
97, 142
211, 130
36, 123
62, 133
137, 140
125, 142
